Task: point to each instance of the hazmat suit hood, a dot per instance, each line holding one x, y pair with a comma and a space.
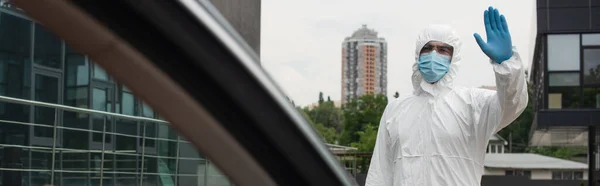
441, 33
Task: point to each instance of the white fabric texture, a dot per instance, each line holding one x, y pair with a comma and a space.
438, 135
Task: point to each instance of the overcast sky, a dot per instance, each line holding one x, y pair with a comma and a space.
301, 40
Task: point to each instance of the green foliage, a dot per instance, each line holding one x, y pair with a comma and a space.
328, 134
558, 152
327, 114
367, 139
358, 113
366, 143
321, 100
357, 122
325, 118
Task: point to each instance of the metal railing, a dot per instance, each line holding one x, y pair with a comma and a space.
76, 109
340, 147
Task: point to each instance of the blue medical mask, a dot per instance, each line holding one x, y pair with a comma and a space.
433, 66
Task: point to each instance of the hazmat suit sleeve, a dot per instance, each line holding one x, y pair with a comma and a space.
497, 109
380, 171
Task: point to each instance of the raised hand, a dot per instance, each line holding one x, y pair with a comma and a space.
499, 44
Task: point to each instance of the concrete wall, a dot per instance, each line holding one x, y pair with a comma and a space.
244, 16
494, 172
535, 174
541, 175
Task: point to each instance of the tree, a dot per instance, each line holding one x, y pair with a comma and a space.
558, 152
366, 143
396, 95
327, 114
367, 138
325, 119
328, 134
358, 113
321, 100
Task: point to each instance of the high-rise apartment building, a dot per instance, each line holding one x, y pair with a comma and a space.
364, 64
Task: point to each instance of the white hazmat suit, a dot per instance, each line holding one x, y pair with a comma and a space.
438, 136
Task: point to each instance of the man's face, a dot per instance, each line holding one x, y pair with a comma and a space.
440, 47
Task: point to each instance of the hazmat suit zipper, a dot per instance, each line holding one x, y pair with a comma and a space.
428, 153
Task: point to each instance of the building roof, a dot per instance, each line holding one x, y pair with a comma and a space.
530, 161
497, 138
365, 33
340, 147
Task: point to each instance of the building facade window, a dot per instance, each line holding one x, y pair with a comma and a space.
99, 73
559, 79
567, 175
525, 173
573, 69
563, 52
47, 48
47, 89
591, 66
590, 39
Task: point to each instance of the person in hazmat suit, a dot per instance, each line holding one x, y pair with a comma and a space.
438, 136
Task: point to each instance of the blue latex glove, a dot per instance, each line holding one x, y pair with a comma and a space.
499, 45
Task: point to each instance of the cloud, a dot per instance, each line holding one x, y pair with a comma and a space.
291, 81
301, 40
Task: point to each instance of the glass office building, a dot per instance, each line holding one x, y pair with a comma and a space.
44, 145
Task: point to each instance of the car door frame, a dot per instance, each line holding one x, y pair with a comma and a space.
181, 45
